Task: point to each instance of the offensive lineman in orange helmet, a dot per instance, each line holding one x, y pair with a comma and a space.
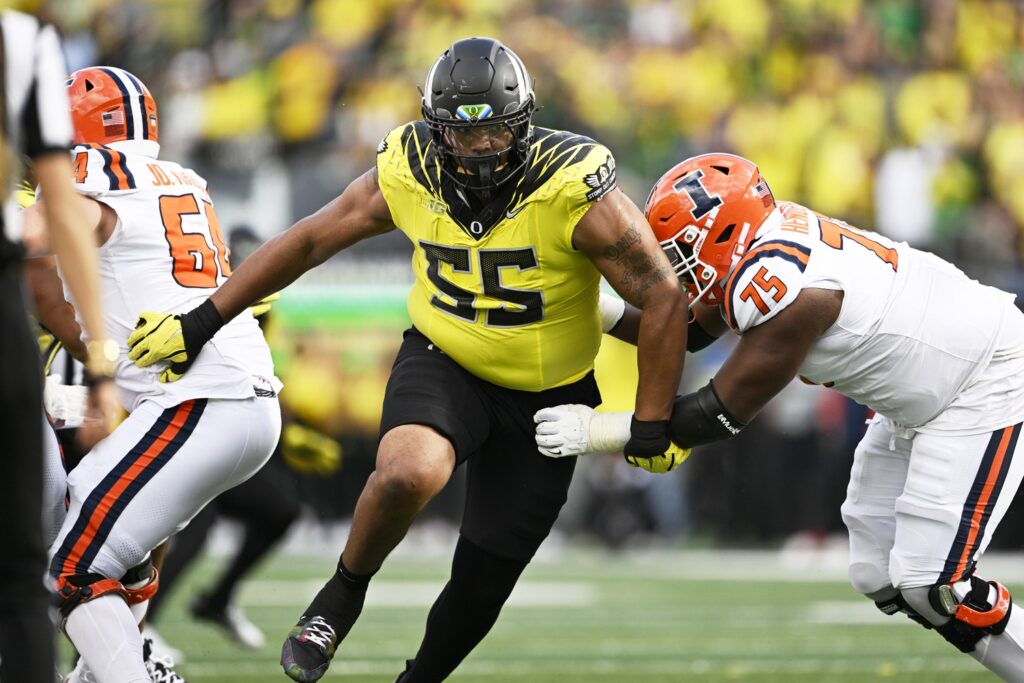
183, 443
939, 358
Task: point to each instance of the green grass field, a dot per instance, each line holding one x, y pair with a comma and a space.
591, 617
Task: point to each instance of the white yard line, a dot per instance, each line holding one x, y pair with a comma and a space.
736, 667
389, 593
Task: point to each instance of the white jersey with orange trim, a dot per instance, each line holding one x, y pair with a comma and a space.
916, 340
167, 253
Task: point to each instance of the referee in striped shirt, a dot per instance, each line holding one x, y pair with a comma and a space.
34, 126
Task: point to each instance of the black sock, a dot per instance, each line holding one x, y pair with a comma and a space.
341, 600
351, 577
464, 612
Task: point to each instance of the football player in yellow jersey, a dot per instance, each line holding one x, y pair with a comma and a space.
513, 227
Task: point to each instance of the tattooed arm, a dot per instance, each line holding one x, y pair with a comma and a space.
360, 211
616, 237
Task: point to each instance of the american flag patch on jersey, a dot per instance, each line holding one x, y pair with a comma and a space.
114, 117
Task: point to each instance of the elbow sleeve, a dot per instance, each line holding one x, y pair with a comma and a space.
700, 418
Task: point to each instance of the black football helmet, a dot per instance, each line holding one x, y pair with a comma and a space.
478, 101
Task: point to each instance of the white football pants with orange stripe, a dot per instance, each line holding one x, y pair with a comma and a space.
135, 489
921, 509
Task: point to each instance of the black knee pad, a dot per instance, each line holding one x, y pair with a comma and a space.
139, 573
972, 617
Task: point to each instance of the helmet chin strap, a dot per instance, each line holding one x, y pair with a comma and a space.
485, 175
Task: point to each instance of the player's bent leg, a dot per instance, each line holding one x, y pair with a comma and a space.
514, 495
465, 611
99, 621
876, 480
414, 462
957, 492
135, 489
978, 618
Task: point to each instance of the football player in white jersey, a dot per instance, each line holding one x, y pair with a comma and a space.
159, 246
937, 356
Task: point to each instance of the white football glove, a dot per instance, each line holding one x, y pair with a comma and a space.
575, 429
64, 404
563, 430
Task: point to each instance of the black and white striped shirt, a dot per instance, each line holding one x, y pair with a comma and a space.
34, 102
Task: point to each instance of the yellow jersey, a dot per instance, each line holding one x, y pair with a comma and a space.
502, 290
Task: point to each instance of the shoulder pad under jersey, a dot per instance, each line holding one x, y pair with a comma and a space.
766, 280
100, 170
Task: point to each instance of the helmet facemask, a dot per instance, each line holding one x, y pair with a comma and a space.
481, 153
698, 277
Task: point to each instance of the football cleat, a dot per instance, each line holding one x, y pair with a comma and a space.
232, 620
308, 650
160, 668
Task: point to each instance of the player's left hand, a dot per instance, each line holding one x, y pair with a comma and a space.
158, 337
672, 458
649, 447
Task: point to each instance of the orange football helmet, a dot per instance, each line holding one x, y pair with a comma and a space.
705, 212
110, 105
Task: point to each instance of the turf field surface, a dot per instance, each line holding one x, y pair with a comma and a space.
585, 616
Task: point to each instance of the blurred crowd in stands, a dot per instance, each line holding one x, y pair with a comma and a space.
905, 116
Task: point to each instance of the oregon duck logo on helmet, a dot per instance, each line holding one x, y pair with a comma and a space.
478, 101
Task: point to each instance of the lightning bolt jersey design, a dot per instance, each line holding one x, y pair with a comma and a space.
500, 288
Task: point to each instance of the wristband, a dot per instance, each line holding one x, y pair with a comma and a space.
647, 439
199, 325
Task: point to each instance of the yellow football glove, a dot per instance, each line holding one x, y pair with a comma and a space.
176, 339
158, 337
308, 451
262, 307
660, 464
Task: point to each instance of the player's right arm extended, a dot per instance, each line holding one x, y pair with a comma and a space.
359, 212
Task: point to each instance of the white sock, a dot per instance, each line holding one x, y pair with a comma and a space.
106, 634
1004, 654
